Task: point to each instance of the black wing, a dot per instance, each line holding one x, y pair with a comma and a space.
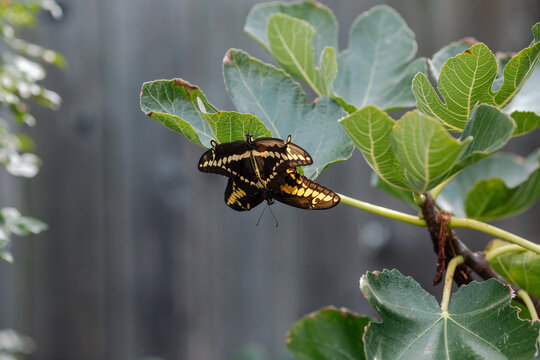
231, 159
291, 188
273, 156
242, 196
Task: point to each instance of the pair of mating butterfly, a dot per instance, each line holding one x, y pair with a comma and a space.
265, 169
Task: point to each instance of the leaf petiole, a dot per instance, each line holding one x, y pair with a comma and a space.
498, 251
523, 295
450, 270
495, 231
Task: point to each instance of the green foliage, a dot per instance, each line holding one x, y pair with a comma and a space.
183, 108
520, 267
20, 75
329, 333
469, 79
485, 99
12, 222
500, 186
280, 103
416, 153
309, 32
479, 324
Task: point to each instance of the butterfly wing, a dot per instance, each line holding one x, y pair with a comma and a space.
291, 188
231, 159
273, 156
242, 196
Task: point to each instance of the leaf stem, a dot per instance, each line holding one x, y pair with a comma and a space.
495, 231
452, 264
528, 302
492, 254
397, 215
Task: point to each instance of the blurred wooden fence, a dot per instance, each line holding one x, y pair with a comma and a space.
143, 258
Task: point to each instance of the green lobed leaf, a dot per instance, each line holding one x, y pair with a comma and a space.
316, 14
523, 108
480, 323
500, 186
468, 79
329, 333
183, 108
520, 267
279, 102
425, 151
291, 44
370, 129
378, 67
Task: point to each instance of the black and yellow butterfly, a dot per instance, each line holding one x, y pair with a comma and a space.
265, 168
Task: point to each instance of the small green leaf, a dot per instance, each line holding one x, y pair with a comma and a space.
526, 121
520, 267
480, 323
370, 129
425, 151
279, 102
291, 44
183, 108
468, 79
378, 67
500, 186
329, 333
316, 14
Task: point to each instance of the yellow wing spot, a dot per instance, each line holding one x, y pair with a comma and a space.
300, 192
320, 196
308, 192
301, 157
205, 163
219, 162
328, 198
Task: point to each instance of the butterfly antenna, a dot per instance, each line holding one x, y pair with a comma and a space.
260, 216
271, 212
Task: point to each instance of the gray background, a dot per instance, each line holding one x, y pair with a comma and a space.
143, 258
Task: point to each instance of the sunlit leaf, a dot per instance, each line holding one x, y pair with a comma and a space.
425, 151
316, 14
468, 79
371, 130
291, 44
